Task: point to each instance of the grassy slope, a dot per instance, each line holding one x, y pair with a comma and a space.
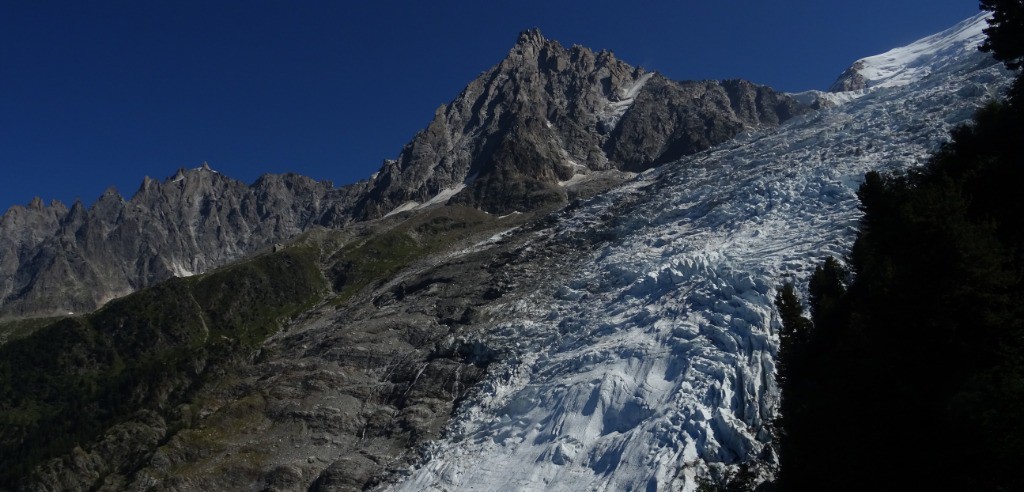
20, 328
67, 382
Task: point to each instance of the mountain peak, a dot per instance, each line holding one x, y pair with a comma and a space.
907, 64
531, 36
148, 183
522, 134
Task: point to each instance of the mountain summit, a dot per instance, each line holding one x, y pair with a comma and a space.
549, 116
907, 64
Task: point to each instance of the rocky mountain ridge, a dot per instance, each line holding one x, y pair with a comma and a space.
55, 260
544, 125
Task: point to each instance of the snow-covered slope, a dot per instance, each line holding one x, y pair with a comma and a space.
908, 64
653, 363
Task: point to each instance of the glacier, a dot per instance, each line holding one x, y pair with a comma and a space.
650, 363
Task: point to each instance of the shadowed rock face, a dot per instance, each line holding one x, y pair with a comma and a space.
671, 119
546, 113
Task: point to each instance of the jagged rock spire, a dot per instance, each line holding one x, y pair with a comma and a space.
531, 36
194, 221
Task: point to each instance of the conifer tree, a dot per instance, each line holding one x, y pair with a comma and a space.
1005, 34
1005, 39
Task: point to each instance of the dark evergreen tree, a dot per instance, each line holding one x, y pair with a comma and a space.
794, 382
1005, 34
1005, 39
794, 325
914, 370
827, 287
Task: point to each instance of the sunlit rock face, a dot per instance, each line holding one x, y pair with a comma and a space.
545, 114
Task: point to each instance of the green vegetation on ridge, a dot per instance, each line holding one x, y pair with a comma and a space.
381, 254
19, 328
65, 384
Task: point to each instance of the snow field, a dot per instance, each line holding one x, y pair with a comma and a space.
907, 64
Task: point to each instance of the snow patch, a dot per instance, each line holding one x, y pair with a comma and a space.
613, 110
405, 207
830, 98
444, 195
440, 198
579, 176
574, 180
631, 92
179, 270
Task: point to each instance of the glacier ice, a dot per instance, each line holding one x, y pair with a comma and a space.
652, 361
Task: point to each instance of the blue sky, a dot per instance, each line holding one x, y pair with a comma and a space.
100, 94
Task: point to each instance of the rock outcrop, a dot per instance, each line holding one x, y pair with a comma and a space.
851, 79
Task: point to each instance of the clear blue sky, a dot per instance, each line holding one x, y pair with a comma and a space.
101, 93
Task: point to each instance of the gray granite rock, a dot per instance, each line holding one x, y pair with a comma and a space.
850, 80
547, 113
55, 260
